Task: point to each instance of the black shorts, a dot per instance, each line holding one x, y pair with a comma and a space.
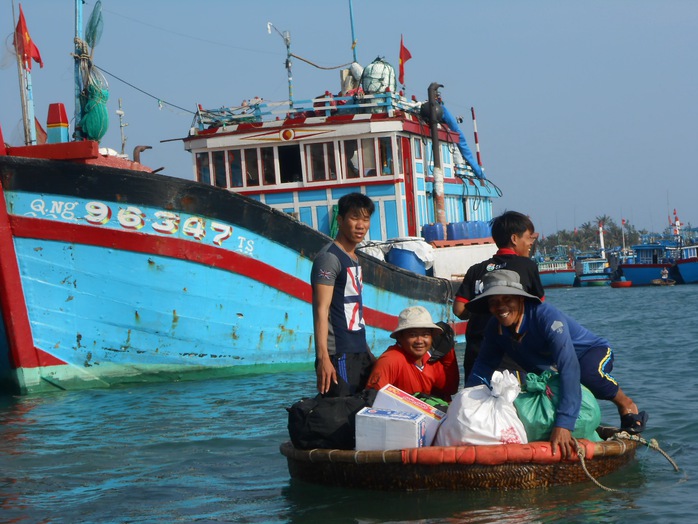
353, 370
595, 367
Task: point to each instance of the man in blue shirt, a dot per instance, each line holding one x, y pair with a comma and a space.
540, 337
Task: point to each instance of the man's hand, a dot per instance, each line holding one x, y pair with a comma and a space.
562, 438
326, 375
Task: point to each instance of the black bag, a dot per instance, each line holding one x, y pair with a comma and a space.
326, 422
443, 342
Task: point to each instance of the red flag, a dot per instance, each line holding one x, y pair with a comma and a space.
404, 57
41, 135
623, 221
24, 45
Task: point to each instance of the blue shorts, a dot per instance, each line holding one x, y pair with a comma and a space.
595, 367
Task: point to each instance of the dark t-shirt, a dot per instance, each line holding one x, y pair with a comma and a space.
347, 330
471, 286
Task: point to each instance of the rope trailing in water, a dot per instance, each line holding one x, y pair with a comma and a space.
581, 453
620, 436
652, 444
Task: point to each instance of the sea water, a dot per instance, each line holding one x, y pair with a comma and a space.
209, 451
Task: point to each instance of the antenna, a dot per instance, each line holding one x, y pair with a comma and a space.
120, 112
286, 36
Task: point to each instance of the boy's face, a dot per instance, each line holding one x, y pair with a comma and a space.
523, 243
354, 225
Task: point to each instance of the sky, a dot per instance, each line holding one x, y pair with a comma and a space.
584, 108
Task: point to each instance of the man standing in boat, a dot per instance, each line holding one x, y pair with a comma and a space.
342, 357
514, 235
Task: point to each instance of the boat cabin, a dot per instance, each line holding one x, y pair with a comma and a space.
300, 157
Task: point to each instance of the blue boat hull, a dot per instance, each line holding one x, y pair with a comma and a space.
112, 276
644, 274
688, 270
551, 279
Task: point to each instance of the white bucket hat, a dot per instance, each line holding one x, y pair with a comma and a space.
499, 282
414, 317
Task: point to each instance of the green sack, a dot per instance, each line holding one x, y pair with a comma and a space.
537, 405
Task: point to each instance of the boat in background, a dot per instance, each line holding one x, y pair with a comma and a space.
621, 283
556, 270
663, 282
593, 269
677, 254
111, 273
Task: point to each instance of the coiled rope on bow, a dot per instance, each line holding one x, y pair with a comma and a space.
652, 444
620, 436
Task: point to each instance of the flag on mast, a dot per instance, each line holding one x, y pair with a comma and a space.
24, 45
404, 57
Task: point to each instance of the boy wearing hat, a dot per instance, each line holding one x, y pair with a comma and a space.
514, 235
409, 366
540, 337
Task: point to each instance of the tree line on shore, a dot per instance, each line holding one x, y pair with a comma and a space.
586, 237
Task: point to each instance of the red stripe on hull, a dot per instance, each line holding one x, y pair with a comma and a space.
27, 227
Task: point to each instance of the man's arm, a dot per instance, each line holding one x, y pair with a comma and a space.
326, 374
460, 310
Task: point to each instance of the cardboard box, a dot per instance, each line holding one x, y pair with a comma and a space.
381, 429
390, 397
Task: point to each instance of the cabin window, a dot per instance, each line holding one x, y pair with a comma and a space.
203, 170
418, 148
399, 155
268, 172
321, 162
251, 167
290, 168
368, 154
385, 150
235, 164
351, 154
219, 177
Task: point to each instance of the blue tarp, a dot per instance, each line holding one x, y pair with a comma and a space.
452, 123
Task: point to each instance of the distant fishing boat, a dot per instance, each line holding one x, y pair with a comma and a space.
663, 282
677, 253
621, 283
593, 269
556, 270
111, 273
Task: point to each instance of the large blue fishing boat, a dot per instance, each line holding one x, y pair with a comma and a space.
111, 273
676, 253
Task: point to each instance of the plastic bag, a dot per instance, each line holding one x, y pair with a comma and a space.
484, 415
537, 408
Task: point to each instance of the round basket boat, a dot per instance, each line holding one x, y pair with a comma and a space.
621, 283
499, 467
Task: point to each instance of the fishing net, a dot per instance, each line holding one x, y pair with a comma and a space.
95, 118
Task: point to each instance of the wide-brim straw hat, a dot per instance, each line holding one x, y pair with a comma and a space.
414, 317
499, 282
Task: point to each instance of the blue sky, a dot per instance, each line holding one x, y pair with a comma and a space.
584, 108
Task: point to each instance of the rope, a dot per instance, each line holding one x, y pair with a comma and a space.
652, 444
318, 66
581, 453
620, 436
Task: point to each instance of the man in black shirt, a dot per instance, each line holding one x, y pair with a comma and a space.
514, 235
